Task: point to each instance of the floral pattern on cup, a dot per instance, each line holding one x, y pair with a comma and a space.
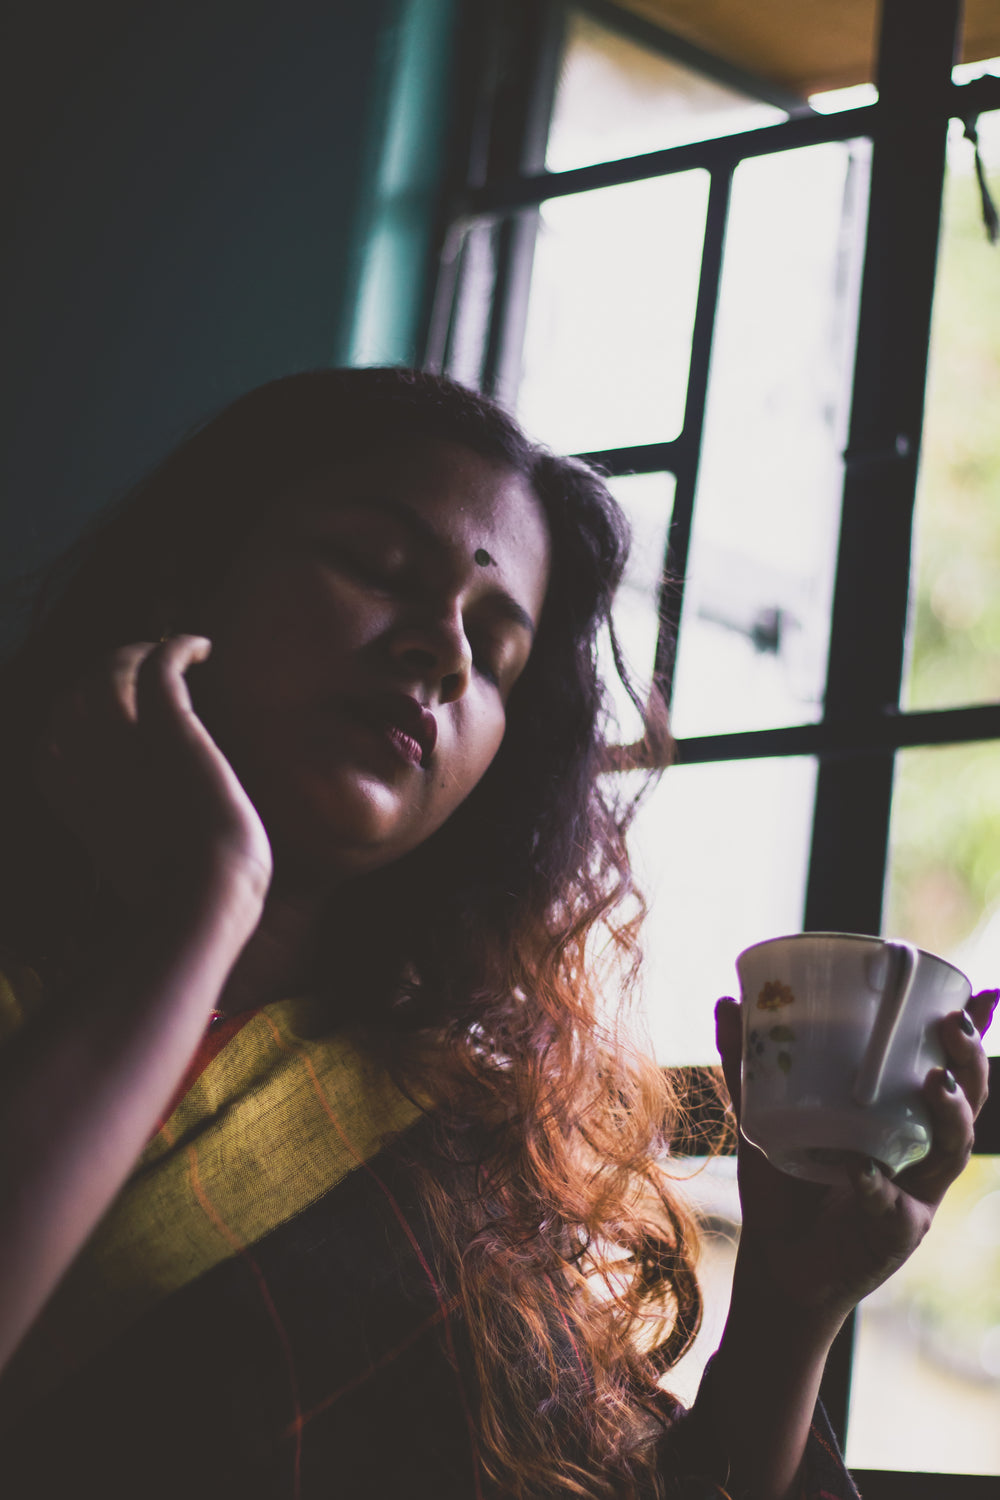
765, 1046
774, 995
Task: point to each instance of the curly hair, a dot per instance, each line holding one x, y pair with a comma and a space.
500, 987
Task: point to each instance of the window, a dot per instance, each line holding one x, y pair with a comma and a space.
716, 285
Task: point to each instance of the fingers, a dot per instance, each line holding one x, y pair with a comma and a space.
952, 1122
954, 1095
892, 1221
981, 1008
105, 701
86, 727
162, 697
729, 1040
168, 720
90, 739
104, 696
875, 1192
966, 1058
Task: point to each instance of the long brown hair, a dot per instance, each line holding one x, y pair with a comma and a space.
500, 986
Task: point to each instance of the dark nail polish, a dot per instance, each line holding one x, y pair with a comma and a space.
967, 1024
950, 1082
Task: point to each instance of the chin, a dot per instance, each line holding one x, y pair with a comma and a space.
338, 827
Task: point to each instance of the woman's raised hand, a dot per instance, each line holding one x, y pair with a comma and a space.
129, 766
824, 1248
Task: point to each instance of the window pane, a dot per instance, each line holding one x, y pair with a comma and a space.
755, 626
955, 635
944, 858
647, 500
833, 101
925, 1393
721, 852
967, 71
616, 98
610, 314
469, 330
710, 1191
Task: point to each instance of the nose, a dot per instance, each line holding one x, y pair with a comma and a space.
432, 648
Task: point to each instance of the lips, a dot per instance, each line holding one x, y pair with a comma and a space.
411, 727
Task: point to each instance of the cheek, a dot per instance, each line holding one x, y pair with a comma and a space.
479, 740
284, 641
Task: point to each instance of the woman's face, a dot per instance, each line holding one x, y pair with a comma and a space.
366, 642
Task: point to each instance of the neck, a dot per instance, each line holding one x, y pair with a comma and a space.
279, 960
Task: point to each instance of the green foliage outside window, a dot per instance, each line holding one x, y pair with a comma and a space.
945, 874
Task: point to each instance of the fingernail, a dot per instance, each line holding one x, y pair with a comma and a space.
949, 1081
966, 1022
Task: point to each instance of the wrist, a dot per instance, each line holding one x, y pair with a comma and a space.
765, 1307
225, 901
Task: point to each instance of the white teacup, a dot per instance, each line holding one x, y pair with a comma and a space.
839, 1031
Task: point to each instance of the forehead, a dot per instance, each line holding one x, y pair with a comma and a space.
465, 501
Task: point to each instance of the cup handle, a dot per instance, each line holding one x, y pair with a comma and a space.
890, 1009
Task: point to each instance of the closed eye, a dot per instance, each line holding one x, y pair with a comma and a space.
377, 572
492, 654
486, 669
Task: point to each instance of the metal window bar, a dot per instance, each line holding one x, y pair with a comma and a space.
688, 445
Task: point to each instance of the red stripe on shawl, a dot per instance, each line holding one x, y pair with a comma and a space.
404, 1224
379, 1364
804, 1492
217, 1036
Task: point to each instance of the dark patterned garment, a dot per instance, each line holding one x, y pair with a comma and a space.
260, 1315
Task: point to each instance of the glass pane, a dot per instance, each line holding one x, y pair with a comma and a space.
925, 1393
710, 1190
944, 859
616, 98
954, 645
965, 72
755, 625
470, 320
647, 500
833, 101
721, 852
610, 314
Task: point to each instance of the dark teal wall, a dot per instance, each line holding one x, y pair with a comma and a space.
197, 190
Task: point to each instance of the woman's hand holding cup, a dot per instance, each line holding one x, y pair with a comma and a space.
819, 1248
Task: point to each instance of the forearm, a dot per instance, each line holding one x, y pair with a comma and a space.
82, 1091
755, 1409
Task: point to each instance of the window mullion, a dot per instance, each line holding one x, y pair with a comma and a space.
687, 448
529, 49
870, 596
853, 798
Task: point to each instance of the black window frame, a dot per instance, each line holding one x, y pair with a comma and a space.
510, 51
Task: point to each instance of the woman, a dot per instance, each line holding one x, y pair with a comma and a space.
327, 1168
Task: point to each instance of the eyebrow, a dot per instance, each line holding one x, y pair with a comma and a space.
506, 605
